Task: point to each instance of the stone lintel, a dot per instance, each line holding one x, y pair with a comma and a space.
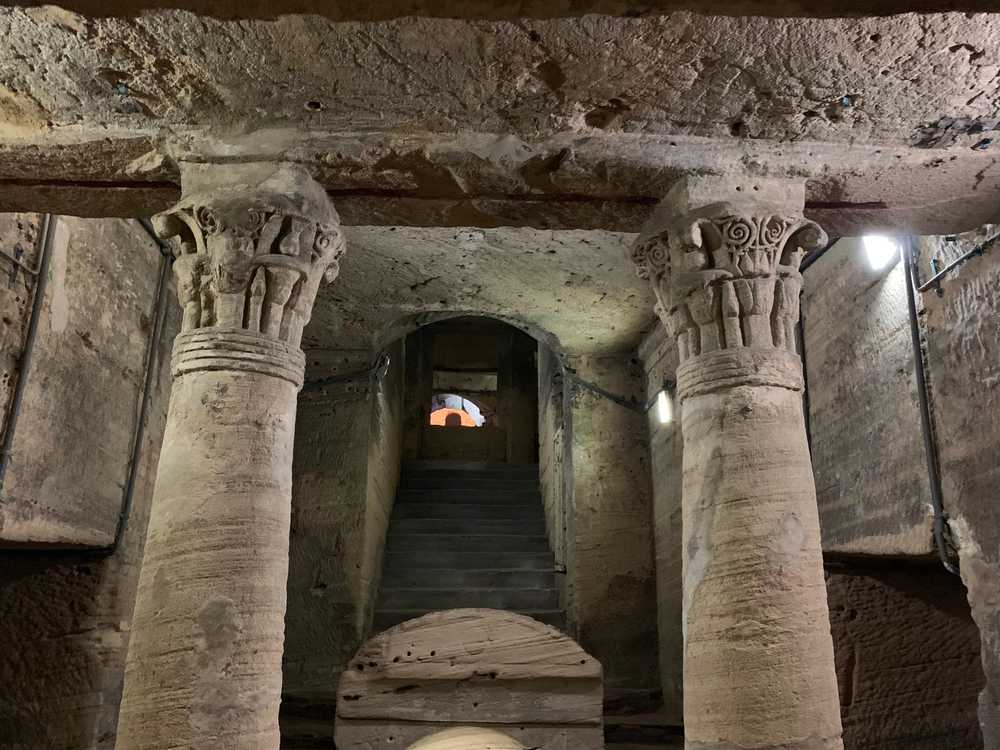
608, 181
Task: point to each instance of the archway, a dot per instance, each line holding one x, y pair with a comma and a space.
481, 372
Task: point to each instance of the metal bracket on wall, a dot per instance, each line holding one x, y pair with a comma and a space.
934, 282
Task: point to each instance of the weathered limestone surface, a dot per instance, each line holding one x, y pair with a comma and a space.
97, 317
680, 74
611, 584
347, 455
963, 351
471, 667
867, 449
574, 290
64, 617
204, 660
552, 472
907, 654
474, 9
577, 122
21, 238
906, 649
758, 657
658, 353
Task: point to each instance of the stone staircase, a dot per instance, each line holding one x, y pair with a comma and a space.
467, 535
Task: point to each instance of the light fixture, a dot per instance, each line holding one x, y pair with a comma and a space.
664, 407
880, 250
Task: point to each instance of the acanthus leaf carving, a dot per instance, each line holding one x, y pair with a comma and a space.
253, 261
728, 277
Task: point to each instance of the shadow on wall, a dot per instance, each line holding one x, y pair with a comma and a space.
58, 662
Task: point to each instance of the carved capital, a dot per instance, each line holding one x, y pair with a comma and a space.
726, 273
252, 244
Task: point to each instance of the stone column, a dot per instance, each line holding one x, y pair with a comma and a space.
252, 244
723, 258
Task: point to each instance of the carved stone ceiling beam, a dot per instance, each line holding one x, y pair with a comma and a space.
569, 182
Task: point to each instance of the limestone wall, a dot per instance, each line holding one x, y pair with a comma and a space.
551, 450
384, 461
611, 584
666, 446
963, 353
347, 456
867, 448
64, 616
907, 659
88, 367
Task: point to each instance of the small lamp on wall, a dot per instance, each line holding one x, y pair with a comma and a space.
665, 403
880, 251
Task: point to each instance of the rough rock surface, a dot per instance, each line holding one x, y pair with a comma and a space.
867, 450
907, 655
65, 616
361, 10
97, 317
611, 579
658, 353
575, 290
566, 122
963, 351
346, 464
884, 80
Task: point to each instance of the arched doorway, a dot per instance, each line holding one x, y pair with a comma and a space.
482, 371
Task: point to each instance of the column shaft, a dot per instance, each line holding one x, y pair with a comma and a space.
758, 661
723, 258
204, 666
253, 242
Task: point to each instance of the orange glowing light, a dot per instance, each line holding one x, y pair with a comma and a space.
440, 418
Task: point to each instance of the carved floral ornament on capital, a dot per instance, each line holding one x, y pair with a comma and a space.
254, 268
726, 278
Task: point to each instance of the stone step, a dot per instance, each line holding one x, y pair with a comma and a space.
414, 509
469, 468
477, 497
449, 482
426, 559
452, 578
471, 526
507, 543
432, 599
387, 618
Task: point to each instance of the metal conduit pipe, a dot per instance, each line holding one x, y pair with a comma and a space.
940, 528
149, 374
935, 281
940, 522
48, 232
151, 360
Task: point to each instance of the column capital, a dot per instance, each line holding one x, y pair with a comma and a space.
723, 255
252, 243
